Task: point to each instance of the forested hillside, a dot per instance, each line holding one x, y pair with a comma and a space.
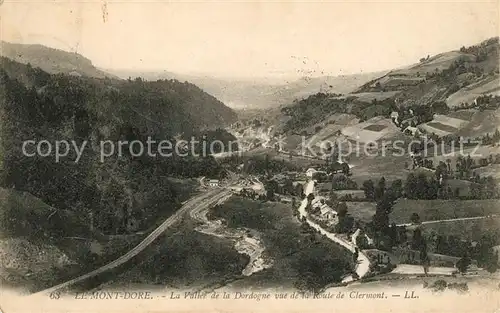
35, 105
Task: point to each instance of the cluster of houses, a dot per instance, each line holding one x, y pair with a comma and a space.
407, 126
322, 172
322, 210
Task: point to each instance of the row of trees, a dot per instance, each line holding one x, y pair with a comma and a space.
428, 187
376, 193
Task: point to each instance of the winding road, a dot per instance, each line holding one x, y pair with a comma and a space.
363, 263
196, 203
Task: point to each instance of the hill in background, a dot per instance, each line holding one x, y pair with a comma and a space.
260, 93
51, 60
462, 79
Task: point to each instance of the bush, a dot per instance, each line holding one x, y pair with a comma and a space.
439, 285
460, 287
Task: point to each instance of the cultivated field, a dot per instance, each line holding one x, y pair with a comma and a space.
375, 167
361, 211
356, 194
437, 129
465, 123
330, 127
371, 130
467, 229
464, 186
480, 123
464, 115
370, 96
432, 210
490, 170
438, 62
490, 85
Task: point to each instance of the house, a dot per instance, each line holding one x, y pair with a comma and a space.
310, 172
286, 200
412, 121
413, 131
394, 117
214, 183
326, 212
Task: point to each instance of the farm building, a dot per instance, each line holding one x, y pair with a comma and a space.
324, 210
214, 183
310, 172
414, 131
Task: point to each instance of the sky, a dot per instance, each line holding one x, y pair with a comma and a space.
250, 39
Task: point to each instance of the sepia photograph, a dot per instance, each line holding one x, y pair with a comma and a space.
258, 156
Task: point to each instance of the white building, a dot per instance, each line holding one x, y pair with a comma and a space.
325, 211
395, 116
310, 172
214, 183
413, 130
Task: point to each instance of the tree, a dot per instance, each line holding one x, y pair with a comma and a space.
342, 182
424, 257
345, 169
417, 240
496, 136
271, 188
355, 255
442, 171
333, 196
345, 222
383, 209
415, 218
369, 189
380, 190
463, 264
341, 210
361, 241
397, 188
411, 186
492, 262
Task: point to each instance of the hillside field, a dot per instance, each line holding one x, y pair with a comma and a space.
468, 229
428, 210
432, 210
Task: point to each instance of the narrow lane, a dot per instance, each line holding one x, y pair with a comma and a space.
363, 263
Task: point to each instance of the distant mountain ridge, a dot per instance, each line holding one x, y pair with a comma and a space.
204, 110
51, 60
260, 93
